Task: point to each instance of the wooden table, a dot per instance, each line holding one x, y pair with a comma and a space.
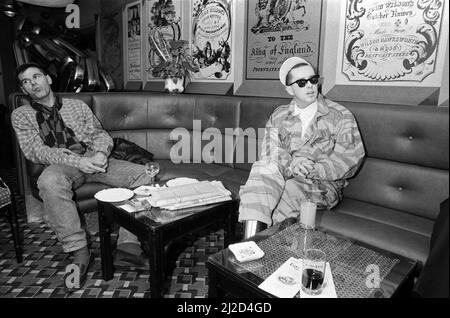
156, 234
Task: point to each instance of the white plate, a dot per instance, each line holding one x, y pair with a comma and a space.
180, 181
114, 195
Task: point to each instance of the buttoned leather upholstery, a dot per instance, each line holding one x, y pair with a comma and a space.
391, 203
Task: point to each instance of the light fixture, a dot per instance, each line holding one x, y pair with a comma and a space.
48, 3
7, 8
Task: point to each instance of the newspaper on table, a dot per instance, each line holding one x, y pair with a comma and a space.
180, 197
136, 205
286, 281
189, 195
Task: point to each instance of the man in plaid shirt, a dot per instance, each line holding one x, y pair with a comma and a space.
65, 135
310, 148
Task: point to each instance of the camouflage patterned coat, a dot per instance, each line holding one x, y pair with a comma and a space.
332, 141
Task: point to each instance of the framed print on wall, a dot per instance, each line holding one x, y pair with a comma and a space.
111, 52
211, 42
274, 31
132, 26
166, 16
391, 40
387, 51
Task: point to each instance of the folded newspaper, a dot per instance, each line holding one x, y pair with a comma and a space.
136, 205
286, 281
190, 195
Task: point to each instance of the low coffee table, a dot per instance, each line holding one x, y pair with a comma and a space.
158, 227
351, 264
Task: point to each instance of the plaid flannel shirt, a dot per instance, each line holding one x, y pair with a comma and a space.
332, 141
76, 115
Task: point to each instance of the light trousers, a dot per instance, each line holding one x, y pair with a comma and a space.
56, 188
267, 197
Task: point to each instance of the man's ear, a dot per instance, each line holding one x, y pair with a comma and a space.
289, 90
49, 79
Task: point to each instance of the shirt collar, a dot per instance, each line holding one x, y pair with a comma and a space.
322, 108
296, 111
46, 109
57, 104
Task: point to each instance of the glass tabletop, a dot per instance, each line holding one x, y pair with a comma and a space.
350, 262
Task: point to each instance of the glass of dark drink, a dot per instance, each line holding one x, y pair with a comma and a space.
313, 274
152, 169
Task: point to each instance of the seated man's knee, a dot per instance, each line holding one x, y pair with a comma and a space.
51, 180
295, 189
264, 167
296, 183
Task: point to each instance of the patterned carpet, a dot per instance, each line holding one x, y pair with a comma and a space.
40, 274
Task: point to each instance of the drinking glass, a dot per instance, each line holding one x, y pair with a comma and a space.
307, 217
313, 272
152, 169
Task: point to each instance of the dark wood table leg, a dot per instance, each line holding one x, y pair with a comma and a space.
156, 278
230, 226
212, 283
105, 228
13, 222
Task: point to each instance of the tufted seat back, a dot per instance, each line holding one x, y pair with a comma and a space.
149, 120
391, 203
407, 147
407, 157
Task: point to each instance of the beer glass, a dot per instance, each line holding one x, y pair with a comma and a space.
307, 214
313, 271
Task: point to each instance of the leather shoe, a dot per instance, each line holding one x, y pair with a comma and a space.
83, 270
125, 259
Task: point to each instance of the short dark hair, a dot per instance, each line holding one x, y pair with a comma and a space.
22, 68
289, 77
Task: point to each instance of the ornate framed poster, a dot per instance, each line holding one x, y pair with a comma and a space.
132, 25
391, 40
166, 16
390, 51
274, 31
211, 40
278, 30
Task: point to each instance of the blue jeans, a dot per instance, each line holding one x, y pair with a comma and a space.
56, 185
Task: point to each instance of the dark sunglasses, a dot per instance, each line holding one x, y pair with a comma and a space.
302, 82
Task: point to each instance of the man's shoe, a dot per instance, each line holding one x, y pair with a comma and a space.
70, 282
125, 259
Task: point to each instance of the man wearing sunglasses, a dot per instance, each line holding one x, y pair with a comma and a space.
311, 146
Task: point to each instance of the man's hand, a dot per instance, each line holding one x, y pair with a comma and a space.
100, 160
302, 167
89, 165
68, 152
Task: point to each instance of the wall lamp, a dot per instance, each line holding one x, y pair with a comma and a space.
7, 7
